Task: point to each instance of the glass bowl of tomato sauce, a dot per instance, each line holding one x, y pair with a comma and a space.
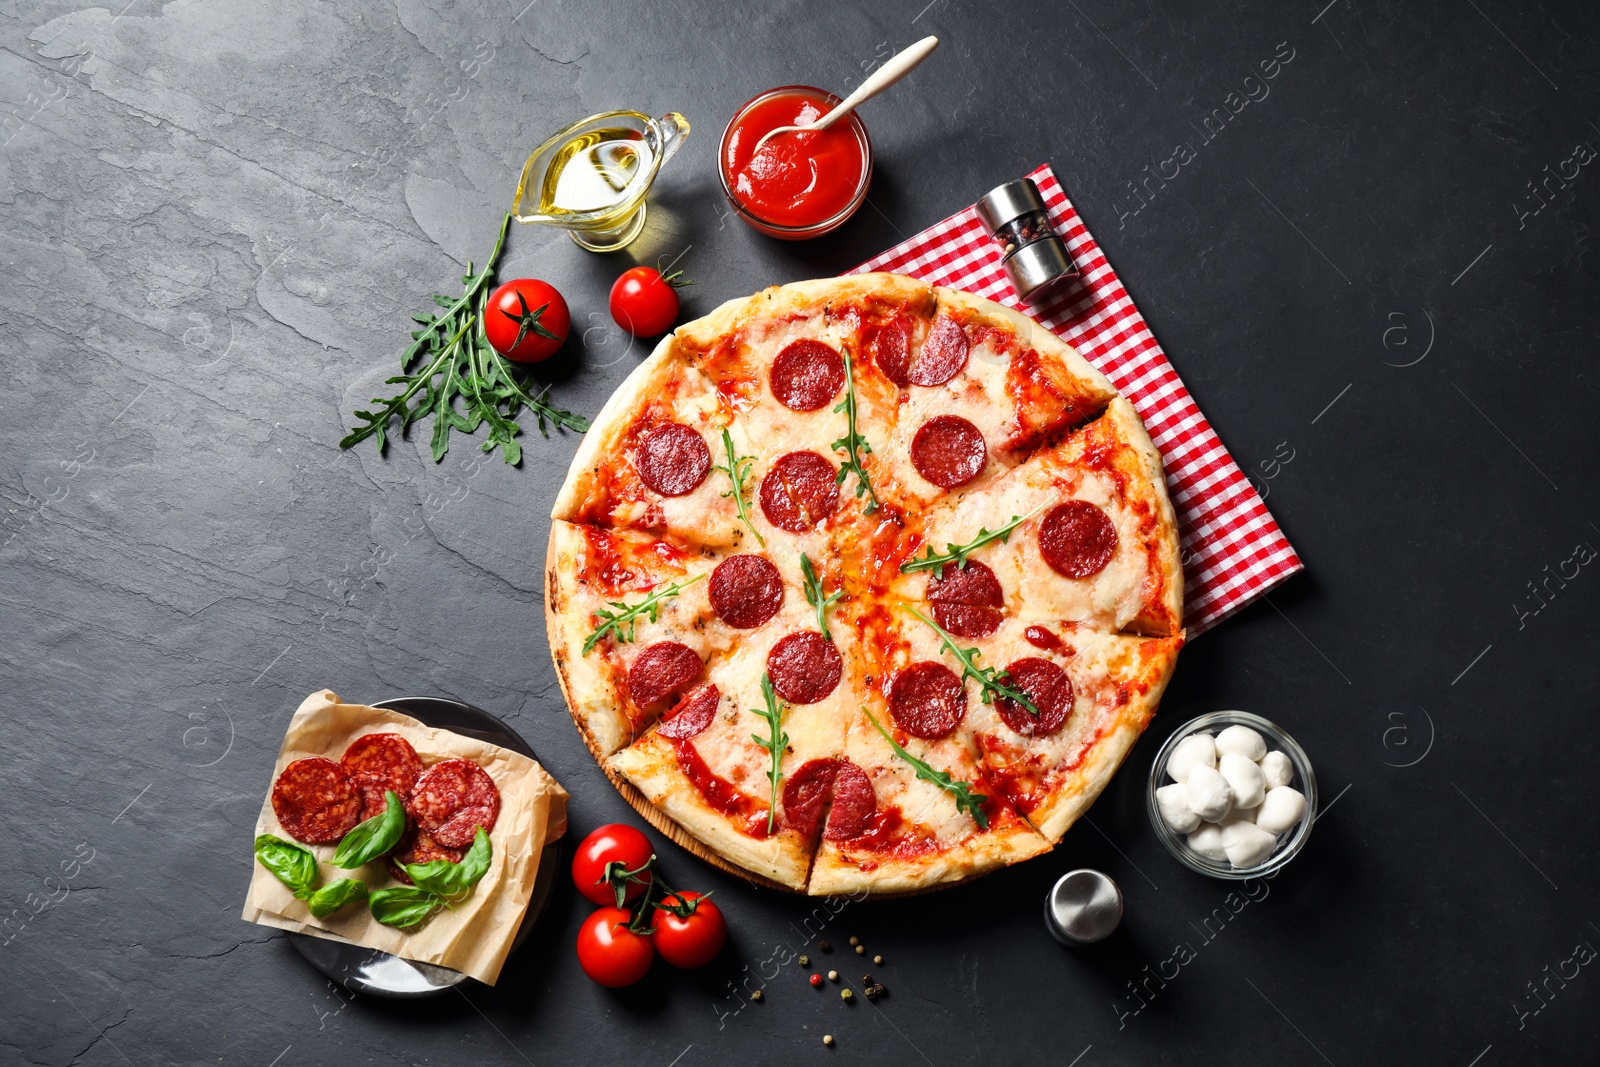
799, 185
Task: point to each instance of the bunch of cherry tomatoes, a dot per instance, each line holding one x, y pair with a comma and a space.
640, 915
527, 320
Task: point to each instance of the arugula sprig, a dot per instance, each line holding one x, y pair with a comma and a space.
622, 622
454, 360
966, 800
817, 595
775, 742
958, 554
852, 444
738, 471
988, 678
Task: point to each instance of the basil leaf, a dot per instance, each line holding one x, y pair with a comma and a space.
335, 895
370, 839
294, 866
401, 906
448, 879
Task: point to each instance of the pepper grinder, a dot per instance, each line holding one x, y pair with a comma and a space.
1083, 907
1035, 259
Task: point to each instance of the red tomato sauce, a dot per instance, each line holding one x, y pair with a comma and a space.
888, 835
797, 179
720, 793
1039, 637
619, 566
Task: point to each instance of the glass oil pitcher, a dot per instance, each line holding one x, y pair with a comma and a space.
591, 178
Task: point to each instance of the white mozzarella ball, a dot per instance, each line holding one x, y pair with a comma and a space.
1208, 842
1209, 795
1246, 844
1277, 769
1281, 810
1173, 800
1230, 825
1241, 741
1196, 750
1244, 778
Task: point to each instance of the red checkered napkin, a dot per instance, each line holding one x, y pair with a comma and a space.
1233, 551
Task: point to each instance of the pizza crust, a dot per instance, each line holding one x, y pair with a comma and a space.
1163, 613
977, 856
587, 682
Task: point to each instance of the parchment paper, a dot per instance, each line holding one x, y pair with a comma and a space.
475, 937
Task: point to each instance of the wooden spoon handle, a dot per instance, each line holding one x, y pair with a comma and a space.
897, 67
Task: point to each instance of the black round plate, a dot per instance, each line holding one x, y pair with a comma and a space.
366, 970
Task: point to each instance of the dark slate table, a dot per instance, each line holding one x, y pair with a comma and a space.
1375, 272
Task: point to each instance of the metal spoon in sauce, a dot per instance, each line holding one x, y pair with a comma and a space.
897, 67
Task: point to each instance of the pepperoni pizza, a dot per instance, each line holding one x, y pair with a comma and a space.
865, 584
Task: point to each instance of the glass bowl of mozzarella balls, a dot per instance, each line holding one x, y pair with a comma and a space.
1231, 795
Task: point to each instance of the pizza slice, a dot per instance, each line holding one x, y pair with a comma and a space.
980, 389
658, 460
1081, 531
630, 627
912, 805
779, 702
1090, 694
633, 620
908, 813
792, 367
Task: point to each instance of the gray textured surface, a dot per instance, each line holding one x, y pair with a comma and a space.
217, 216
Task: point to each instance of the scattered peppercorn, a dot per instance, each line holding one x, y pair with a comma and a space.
861, 950
816, 980
805, 961
833, 976
827, 1039
756, 995
845, 994
824, 946
878, 960
866, 979
874, 991
855, 941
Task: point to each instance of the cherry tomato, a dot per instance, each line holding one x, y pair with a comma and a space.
613, 843
691, 940
644, 303
526, 320
609, 952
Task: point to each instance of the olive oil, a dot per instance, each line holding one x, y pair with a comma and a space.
594, 171
591, 177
